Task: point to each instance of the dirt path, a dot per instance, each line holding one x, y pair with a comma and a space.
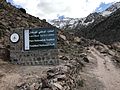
105, 71
12, 75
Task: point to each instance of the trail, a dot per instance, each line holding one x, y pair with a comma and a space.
105, 71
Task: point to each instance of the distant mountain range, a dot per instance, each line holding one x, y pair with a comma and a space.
78, 23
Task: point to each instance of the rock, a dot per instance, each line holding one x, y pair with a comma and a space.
111, 53
22, 10
65, 69
58, 86
86, 59
64, 57
1, 6
50, 71
61, 50
50, 75
67, 42
32, 87
18, 18
45, 83
37, 86
61, 77
63, 37
20, 84
77, 39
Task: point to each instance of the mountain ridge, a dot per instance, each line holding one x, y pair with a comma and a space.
107, 31
78, 23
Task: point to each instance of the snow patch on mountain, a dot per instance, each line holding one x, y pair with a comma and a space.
86, 23
106, 13
66, 22
111, 9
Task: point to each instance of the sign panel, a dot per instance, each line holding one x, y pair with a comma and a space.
33, 46
41, 38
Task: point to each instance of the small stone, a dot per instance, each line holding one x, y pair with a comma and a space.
67, 42
61, 77
32, 87
64, 57
20, 84
61, 50
77, 39
86, 59
50, 71
58, 85
18, 18
63, 37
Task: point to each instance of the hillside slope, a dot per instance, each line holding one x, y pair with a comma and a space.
11, 17
106, 31
16, 77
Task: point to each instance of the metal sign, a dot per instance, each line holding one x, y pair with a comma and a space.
40, 38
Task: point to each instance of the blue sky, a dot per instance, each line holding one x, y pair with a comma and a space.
12, 2
102, 7
50, 9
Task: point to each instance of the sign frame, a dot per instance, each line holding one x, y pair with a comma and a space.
39, 29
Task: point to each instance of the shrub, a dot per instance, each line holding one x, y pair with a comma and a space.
22, 10
44, 20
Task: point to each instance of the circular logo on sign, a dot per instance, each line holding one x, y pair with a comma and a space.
14, 37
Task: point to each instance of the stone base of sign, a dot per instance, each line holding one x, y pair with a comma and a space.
42, 57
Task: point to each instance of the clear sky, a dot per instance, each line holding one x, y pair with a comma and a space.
51, 9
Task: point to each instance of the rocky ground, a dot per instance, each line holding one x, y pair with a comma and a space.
85, 64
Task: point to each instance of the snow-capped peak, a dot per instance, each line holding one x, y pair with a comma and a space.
111, 9
70, 22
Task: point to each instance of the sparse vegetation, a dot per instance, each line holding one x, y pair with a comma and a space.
80, 83
44, 20
1, 33
22, 10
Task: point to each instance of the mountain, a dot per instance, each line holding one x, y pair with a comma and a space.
65, 23
107, 31
111, 9
78, 23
